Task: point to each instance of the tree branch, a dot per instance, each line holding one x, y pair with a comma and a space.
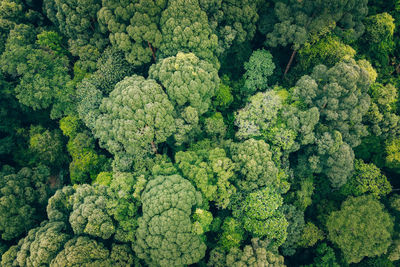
152, 51
290, 62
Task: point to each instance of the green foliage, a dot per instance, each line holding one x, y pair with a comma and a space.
70, 126
325, 257
223, 96
187, 126
162, 166
185, 28
105, 212
336, 159
136, 115
211, 171
252, 255
394, 202
341, 96
362, 228
379, 28
381, 117
232, 234
262, 217
42, 74
12, 13
188, 80
9, 256
78, 21
41, 245
378, 43
111, 68
59, 207
258, 69
311, 235
286, 127
192, 99
328, 50
256, 166
133, 28
165, 235
324, 207
371, 150
104, 178
367, 179
366, 65
381, 261
82, 210
304, 193
234, 21
51, 245
392, 149
23, 197
299, 22
385, 97
47, 146
86, 162
123, 206
295, 219
202, 221
52, 41
83, 251
89, 215
394, 251
259, 115
286, 32
170, 165
122, 255
215, 126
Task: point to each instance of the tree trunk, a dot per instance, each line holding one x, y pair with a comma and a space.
152, 51
290, 62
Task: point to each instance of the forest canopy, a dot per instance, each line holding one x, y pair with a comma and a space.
200, 133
